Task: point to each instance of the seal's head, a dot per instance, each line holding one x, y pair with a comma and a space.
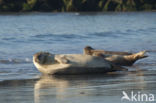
88, 50
43, 58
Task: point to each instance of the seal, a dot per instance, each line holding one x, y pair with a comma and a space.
48, 63
89, 50
117, 58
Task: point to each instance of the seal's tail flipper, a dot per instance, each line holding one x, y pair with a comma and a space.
140, 55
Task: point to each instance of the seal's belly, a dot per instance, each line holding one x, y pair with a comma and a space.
79, 60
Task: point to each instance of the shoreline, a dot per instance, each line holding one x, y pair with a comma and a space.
102, 12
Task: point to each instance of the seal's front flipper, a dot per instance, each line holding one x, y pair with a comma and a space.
62, 60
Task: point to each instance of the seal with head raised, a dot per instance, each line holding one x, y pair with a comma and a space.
115, 57
72, 64
89, 50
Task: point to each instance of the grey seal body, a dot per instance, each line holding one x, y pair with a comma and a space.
71, 64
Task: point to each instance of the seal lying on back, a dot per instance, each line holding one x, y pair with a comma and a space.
72, 64
117, 58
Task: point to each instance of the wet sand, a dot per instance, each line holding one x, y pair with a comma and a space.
104, 88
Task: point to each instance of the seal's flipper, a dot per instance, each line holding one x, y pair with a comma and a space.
62, 60
140, 55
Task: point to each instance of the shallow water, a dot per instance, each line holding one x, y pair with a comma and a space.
22, 35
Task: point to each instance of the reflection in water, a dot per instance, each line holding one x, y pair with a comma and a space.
49, 82
88, 88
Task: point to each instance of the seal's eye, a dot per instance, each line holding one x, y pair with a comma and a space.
44, 58
39, 57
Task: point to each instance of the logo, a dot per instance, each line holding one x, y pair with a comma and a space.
138, 96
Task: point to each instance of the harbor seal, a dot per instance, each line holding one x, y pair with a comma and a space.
117, 58
89, 50
72, 64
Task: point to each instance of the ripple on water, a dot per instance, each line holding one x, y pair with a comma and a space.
16, 61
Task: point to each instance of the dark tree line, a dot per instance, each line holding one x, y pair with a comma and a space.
76, 5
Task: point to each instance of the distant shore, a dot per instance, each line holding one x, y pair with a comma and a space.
76, 5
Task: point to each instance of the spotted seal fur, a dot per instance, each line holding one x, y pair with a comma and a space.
117, 58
